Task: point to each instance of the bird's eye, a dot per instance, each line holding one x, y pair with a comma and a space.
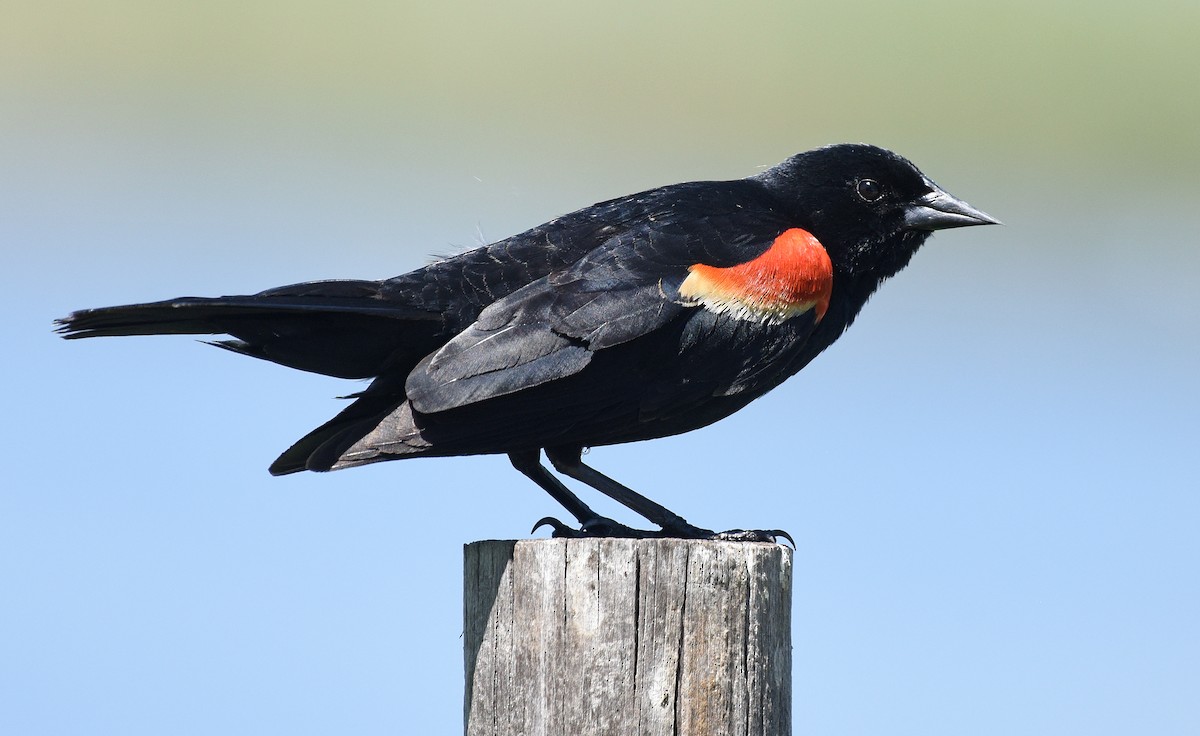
869, 189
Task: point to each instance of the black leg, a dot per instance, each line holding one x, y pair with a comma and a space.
591, 523
529, 463
569, 462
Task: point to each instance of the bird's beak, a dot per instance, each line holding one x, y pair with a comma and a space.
939, 210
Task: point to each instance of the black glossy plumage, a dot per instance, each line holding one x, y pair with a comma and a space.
574, 333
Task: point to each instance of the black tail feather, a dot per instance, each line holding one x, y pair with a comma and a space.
339, 328
321, 448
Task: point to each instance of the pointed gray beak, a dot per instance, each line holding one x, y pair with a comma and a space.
938, 211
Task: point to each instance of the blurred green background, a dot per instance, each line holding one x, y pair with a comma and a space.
991, 478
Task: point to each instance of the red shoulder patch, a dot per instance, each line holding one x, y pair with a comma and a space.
792, 277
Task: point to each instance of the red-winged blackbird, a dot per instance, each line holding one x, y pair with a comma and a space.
639, 317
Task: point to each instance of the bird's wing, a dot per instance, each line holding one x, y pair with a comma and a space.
551, 328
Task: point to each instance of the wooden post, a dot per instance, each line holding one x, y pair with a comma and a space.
569, 637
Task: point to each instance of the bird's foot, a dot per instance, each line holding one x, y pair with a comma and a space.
775, 536
600, 527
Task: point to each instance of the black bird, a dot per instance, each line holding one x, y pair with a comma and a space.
640, 317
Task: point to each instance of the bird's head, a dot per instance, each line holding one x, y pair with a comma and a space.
869, 207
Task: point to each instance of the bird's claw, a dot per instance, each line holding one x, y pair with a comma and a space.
598, 527
774, 536
556, 526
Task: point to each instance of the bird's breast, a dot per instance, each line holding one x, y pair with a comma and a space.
790, 278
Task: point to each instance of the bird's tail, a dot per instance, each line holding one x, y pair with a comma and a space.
322, 448
347, 329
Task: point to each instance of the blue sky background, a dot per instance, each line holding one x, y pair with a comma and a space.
991, 478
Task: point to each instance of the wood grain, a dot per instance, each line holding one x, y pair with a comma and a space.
629, 637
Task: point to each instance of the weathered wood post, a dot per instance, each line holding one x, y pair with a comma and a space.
627, 637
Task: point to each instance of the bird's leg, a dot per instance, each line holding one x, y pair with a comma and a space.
569, 462
591, 523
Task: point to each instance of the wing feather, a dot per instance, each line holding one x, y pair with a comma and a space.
550, 329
